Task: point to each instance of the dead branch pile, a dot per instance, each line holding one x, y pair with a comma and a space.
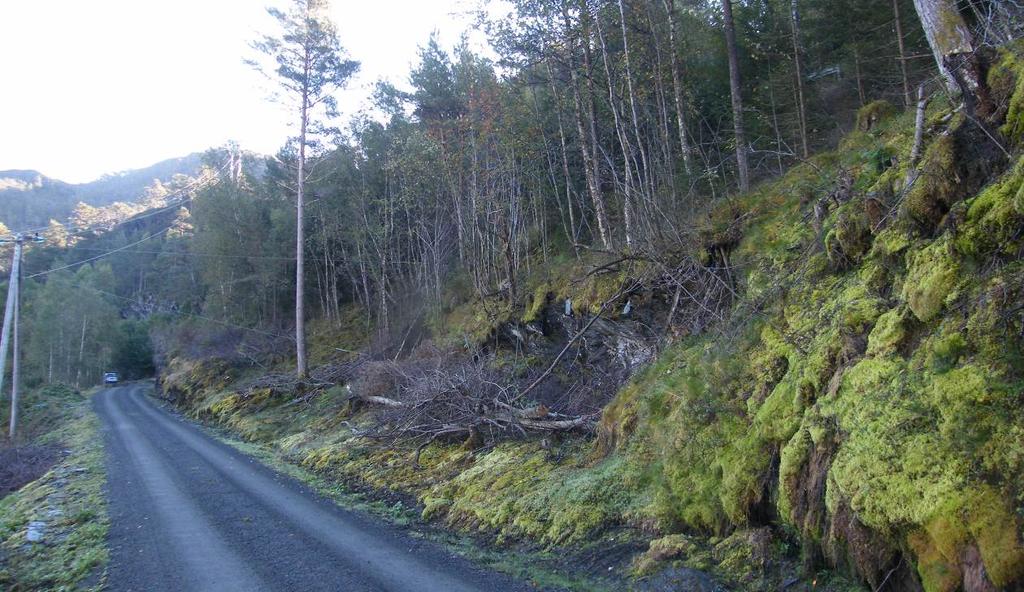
427, 400
701, 294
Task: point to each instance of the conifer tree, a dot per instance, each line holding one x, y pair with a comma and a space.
309, 65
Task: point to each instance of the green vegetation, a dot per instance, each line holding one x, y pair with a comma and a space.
878, 384
836, 389
67, 501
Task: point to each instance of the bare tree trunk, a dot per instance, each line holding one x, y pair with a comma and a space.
589, 163
647, 173
922, 106
798, 68
677, 86
903, 52
588, 99
301, 365
565, 157
627, 206
737, 98
860, 79
953, 46
81, 354
775, 119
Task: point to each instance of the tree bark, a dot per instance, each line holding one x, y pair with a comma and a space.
737, 98
301, 364
589, 163
903, 52
624, 144
677, 86
798, 68
922, 107
953, 46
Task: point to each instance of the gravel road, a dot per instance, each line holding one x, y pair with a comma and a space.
191, 513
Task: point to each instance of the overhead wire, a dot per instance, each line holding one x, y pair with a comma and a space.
101, 255
187, 314
182, 196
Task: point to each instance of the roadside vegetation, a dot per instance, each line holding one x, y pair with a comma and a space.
53, 529
612, 301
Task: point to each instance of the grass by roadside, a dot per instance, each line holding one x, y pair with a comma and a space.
546, 569
53, 530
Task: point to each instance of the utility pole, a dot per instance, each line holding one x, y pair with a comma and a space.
11, 312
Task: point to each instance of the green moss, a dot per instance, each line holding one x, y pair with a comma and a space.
889, 333
850, 237
994, 218
673, 546
935, 188
1006, 81
945, 351
538, 299
997, 532
74, 551
891, 242
931, 280
791, 462
870, 115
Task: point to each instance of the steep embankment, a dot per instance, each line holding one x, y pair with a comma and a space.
859, 408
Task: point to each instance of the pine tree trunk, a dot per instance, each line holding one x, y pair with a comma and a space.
737, 99
301, 365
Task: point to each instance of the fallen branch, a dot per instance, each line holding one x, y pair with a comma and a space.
565, 349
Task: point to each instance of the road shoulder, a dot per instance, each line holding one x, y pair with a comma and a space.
53, 530
403, 514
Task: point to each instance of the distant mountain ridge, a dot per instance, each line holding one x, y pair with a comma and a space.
30, 199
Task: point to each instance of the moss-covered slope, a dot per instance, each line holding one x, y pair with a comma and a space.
860, 410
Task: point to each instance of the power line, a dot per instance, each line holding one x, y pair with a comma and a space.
102, 255
187, 314
182, 193
194, 254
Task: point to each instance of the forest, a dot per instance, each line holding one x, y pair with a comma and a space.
736, 276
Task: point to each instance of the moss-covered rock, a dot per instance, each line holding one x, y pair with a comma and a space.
850, 237
935, 185
931, 280
994, 221
1006, 83
870, 115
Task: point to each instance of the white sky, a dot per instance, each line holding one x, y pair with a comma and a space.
89, 87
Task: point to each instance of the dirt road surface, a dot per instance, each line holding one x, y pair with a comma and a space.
191, 513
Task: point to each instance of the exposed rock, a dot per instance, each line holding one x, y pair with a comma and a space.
35, 531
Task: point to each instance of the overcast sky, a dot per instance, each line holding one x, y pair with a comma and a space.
98, 86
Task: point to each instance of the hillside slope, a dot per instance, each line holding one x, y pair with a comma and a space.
31, 199
857, 408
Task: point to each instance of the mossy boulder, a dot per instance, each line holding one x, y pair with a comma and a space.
994, 220
870, 115
933, 274
889, 333
1006, 83
850, 237
936, 184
